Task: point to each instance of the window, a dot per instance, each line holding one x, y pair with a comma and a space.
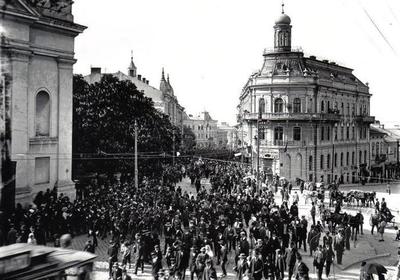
42, 118
262, 134
322, 133
336, 132
328, 161
365, 156
341, 159
42, 170
373, 149
348, 108
328, 133
297, 105
352, 158
347, 133
322, 106
310, 163
353, 109
359, 158
278, 133
335, 159
321, 165
347, 158
342, 109
278, 105
261, 106
342, 133
296, 133
353, 132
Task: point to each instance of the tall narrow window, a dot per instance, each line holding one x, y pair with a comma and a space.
321, 165
261, 106
322, 133
365, 156
341, 159
310, 163
352, 158
328, 133
328, 161
297, 105
278, 133
296, 133
360, 157
347, 133
42, 118
42, 170
335, 159
278, 105
322, 106
347, 158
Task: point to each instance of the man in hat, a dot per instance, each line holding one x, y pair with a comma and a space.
116, 272
112, 256
241, 267
168, 232
156, 265
339, 246
125, 275
257, 266
302, 232
244, 244
302, 269
192, 261
138, 249
291, 258
327, 239
201, 262
209, 272
230, 237
319, 261
329, 256
280, 265
224, 256
313, 239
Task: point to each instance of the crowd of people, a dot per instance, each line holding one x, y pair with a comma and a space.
234, 223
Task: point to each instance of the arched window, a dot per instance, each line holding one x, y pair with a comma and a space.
42, 118
297, 105
278, 105
261, 106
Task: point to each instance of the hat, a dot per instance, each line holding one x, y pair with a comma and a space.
242, 255
168, 225
202, 249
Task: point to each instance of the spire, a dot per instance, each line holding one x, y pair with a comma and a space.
162, 74
132, 68
168, 78
283, 7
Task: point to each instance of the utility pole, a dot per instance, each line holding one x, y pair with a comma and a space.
258, 150
136, 157
173, 147
398, 157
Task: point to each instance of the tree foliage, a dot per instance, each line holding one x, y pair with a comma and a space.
104, 126
189, 140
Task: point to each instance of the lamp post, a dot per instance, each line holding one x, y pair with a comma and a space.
258, 150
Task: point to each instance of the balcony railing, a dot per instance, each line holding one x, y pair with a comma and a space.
365, 119
293, 117
283, 143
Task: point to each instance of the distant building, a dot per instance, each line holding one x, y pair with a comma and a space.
227, 136
163, 97
37, 57
384, 153
204, 128
309, 117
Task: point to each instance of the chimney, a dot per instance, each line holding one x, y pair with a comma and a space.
147, 81
139, 77
144, 80
95, 70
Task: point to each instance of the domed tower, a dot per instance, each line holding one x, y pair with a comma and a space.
283, 33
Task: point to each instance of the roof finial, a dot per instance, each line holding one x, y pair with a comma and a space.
168, 78
283, 7
162, 74
131, 55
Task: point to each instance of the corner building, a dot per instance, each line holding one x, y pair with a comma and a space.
311, 117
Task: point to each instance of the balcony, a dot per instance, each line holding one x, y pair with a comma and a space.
283, 143
298, 117
364, 119
380, 158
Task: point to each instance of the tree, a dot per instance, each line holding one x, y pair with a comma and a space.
103, 127
189, 140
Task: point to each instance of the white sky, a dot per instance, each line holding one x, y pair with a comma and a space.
210, 47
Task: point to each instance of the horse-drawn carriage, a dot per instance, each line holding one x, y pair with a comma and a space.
359, 198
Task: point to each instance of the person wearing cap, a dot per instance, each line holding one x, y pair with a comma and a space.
313, 239
112, 256
319, 260
339, 245
291, 256
192, 261
168, 232
230, 237
116, 272
329, 256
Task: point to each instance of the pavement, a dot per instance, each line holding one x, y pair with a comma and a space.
366, 248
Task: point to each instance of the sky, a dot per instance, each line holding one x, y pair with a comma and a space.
211, 47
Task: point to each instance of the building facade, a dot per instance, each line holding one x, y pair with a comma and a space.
384, 153
301, 117
163, 97
204, 128
227, 136
37, 56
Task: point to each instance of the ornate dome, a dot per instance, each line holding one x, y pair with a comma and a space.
283, 19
